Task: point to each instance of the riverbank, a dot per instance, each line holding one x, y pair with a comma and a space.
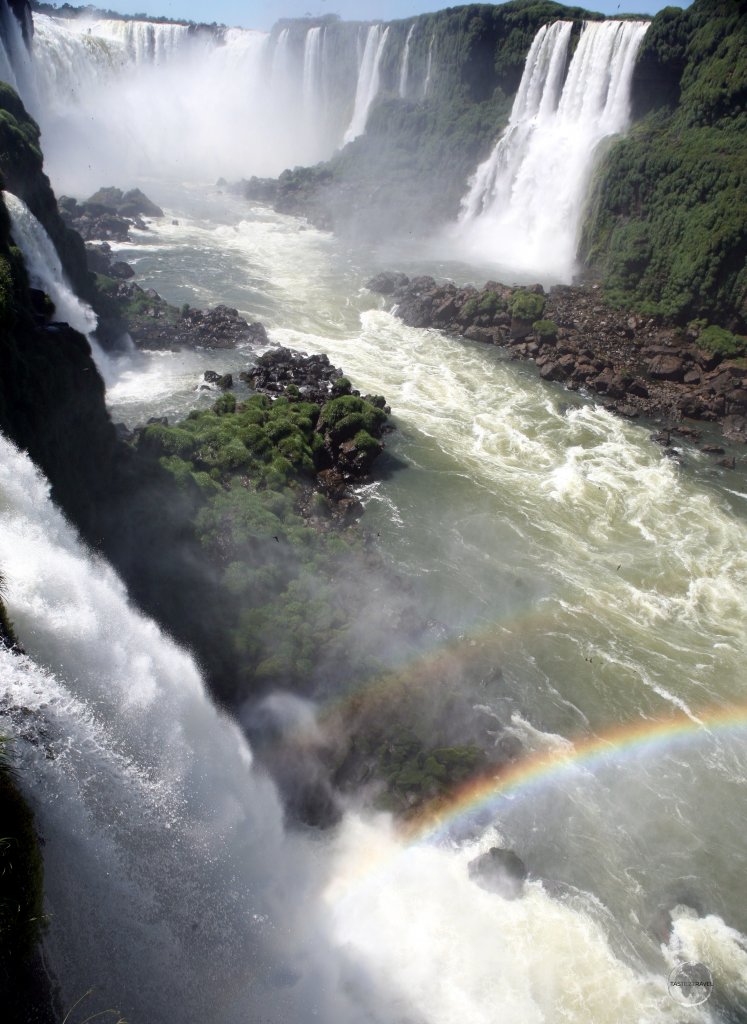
635, 365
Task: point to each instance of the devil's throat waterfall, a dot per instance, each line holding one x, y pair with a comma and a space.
452, 736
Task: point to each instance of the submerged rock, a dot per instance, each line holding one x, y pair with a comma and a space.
499, 871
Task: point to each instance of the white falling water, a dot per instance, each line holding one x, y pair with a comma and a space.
281, 58
15, 61
45, 270
525, 202
135, 100
312, 72
171, 886
535, 103
405, 69
368, 81
142, 40
428, 69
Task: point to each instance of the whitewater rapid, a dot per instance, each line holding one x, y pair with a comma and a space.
172, 889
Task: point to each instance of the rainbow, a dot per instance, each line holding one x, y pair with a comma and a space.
624, 741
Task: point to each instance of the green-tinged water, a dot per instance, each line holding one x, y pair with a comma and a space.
606, 580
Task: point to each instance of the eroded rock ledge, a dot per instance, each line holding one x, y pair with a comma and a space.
638, 365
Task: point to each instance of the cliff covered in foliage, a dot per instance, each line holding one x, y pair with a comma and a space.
667, 221
426, 131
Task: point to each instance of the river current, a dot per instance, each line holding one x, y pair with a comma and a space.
608, 579
602, 582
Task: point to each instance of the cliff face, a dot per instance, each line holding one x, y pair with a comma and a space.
667, 219
51, 395
425, 136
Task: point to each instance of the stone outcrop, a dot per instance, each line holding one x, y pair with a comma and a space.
636, 365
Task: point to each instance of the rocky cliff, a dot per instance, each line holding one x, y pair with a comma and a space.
667, 219
424, 137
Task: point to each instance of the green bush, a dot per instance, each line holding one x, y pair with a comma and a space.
545, 328
225, 404
527, 305
717, 340
666, 228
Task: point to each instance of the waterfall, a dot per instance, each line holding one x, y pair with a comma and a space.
45, 270
171, 887
312, 72
173, 890
142, 40
405, 64
281, 58
525, 201
368, 81
428, 69
535, 102
15, 60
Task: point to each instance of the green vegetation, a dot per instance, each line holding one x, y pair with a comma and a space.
667, 221
545, 329
410, 168
414, 773
284, 589
716, 339
527, 305
487, 304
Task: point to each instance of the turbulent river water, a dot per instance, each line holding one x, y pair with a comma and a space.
601, 583
607, 580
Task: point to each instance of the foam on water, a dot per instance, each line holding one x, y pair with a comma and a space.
173, 889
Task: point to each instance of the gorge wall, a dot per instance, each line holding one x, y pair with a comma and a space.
667, 222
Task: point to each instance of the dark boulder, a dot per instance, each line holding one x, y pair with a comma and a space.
499, 871
666, 367
387, 282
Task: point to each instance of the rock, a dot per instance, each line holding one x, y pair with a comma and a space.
666, 367
499, 871
520, 328
552, 370
211, 377
735, 428
121, 270
221, 327
313, 375
225, 382
136, 203
387, 282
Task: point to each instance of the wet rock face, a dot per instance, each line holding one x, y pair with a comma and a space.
637, 365
499, 871
313, 375
108, 214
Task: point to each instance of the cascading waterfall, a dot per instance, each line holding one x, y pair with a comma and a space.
172, 888
15, 61
535, 103
123, 100
281, 58
428, 69
404, 71
144, 41
368, 81
524, 205
312, 71
45, 272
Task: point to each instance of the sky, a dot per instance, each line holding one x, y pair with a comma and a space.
263, 14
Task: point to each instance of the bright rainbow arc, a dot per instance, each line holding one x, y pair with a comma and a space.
622, 741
